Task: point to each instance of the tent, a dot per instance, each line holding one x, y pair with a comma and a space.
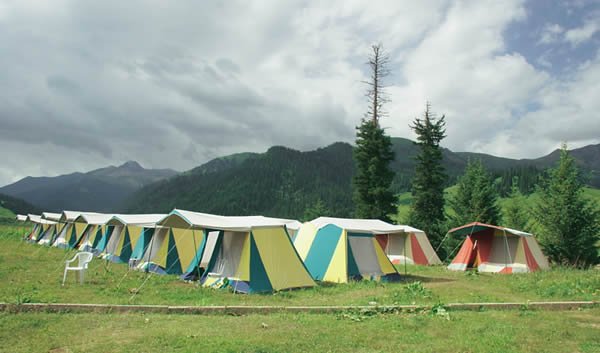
51, 216
94, 229
41, 227
21, 218
405, 244
126, 232
492, 248
339, 249
249, 254
71, 232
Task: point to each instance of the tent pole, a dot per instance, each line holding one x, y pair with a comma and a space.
405, 255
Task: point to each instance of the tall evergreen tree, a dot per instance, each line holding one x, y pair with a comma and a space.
427, 212
568, 224
476, 197
373, 153
515, 213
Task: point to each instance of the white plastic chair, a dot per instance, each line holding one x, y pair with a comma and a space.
84, 259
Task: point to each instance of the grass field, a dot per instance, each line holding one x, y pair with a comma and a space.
493, 331
32, 273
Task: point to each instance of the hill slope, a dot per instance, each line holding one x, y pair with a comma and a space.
280, 182
11, 206
99, 190
283, 182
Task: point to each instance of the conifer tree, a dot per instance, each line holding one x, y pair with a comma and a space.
373, 152
568, 224
427, 211
476, 197
515, 214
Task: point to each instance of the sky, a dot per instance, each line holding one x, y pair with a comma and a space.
173, 84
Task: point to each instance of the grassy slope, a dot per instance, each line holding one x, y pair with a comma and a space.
6, 213
506, 332
32, 273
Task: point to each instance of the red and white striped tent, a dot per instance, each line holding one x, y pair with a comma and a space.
498, 249
405, 244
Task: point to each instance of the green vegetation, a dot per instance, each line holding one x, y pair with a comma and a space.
11, 206
373, 197
475, 199
502, 332
32, 273
568, 224
427, 211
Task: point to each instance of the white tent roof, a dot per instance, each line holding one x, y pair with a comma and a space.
51, 216
142, 220
38, 219
372, 226
69, 216
21, 218
93, 218
228, 223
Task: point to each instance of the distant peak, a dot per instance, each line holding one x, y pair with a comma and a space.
131, 165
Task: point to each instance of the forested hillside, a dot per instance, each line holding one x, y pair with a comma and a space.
283, 182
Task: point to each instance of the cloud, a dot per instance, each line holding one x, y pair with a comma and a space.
578, 35
550, 33
174, 84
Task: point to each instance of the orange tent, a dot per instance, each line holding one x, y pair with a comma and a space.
492, 248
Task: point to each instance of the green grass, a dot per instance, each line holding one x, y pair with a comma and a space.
32, 273
6, 213
492, 331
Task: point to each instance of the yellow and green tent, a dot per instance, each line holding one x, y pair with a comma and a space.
249, 254
339, 250
125, 233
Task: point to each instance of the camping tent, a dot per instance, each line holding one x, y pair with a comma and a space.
71, 232
492, 248
94, 229
51, 216
125, 233
41, 227
405, 244
339, 249
249, 254
21, 218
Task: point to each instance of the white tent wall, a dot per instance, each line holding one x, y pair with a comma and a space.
85, 243
228, 256
503, 254
396, 249
160, 235
209, 248
61, 239
113, 241
364, 255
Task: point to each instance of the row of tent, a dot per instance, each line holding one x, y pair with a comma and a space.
258, 254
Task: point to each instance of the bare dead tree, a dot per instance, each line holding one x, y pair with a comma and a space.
377, 97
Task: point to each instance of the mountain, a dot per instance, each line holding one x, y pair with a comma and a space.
280, 182
101, 190
283, 182
11, 206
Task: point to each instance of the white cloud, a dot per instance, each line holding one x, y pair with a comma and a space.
584, 33
173, 84
550, 33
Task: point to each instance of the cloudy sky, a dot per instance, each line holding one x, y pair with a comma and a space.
85, 84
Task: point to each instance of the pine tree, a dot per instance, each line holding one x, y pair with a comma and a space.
373, 153
568, 224
476, 197
515, 213
315, 211
427, 212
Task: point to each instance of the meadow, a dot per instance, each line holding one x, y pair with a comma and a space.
33, 273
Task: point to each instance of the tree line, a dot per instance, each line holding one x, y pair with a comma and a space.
566, 224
